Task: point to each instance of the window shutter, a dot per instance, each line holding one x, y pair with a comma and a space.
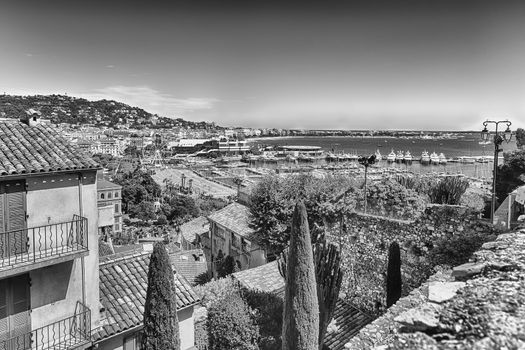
16, 216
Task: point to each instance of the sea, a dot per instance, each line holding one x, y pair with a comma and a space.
467, 145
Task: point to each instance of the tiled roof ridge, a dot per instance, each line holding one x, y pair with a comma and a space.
115, 258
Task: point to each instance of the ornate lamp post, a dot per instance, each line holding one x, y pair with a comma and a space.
366, 162
497, 140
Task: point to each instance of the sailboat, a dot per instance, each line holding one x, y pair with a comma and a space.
378, 155
399, 157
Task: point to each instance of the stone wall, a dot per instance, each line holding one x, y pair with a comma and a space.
367, 238
477, 305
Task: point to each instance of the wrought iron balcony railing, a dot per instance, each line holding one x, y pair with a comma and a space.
31, 245
67, 333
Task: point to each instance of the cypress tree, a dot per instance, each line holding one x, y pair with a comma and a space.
161, 325
301, 308
393, 275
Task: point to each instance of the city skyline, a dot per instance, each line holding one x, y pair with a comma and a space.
433, 65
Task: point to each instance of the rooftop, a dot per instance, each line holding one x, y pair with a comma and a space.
264, 278
235, 217
123, 287
106, 185
28, 149
191, 229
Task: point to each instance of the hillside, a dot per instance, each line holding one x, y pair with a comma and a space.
67, 109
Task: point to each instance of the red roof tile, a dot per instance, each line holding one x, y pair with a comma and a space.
264, 278
37, 149
123, 286
235, 217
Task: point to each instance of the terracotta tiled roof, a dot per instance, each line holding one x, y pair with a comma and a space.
185, 264
123, 286
103, 184
196, 227
349, 321
264, 278
235, 217
37, 149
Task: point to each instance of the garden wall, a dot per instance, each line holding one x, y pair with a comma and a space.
366, 239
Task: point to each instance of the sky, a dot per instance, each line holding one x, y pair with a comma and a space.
388, 64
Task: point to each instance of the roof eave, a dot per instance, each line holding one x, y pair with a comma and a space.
46, 173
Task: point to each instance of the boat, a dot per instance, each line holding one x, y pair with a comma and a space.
466, 160
425, 158
434, 158
378, 155
391, 157
399, 157
442, 159
407, 158
483, 159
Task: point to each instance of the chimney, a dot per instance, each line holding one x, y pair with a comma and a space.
31, 118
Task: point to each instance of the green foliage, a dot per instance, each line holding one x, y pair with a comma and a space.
390, 198
144, 211
448, 190
161, 325
179, 207
216, 290
231, 325
393, 275
268, 314
510, 173
301, 308
208, 204
520, 138
137, 187
456, 250
226, 266
329, 277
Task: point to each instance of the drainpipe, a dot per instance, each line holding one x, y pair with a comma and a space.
82, 263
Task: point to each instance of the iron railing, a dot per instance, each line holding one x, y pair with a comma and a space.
43, 242
66, 333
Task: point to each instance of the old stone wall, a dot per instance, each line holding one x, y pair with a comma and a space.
366, 240
477, 305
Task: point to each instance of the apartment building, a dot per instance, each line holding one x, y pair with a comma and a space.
48, 240
230, 235
110, 197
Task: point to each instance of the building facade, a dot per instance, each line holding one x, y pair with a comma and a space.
230, 235
48, 240
109, 198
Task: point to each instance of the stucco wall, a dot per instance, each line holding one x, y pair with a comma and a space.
186, 332
56, 289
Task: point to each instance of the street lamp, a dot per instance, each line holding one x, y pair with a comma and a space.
366, 162
497, 140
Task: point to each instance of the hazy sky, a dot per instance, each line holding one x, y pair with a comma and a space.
363, 65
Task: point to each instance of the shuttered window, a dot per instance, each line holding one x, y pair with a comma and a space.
12, 218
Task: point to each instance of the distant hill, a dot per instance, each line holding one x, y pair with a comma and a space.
67, 109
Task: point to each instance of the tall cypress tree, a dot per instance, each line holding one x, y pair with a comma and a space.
301, 308
393, 275
161, 325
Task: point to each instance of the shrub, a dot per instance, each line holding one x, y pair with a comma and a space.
301, 307
456, 250
448, 190
161, 325
268, 313
216, 290
231, 326
393, 275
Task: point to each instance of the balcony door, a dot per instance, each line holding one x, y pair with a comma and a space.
13, 237
15, 319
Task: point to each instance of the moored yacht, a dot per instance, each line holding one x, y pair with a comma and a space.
399, 157
425, 158
391, 157
434, 158
378, 155
442, 159
407, 158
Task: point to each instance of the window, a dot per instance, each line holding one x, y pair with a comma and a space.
102, 196
116, 194
117, 227
109, 195
131, 342
117, 208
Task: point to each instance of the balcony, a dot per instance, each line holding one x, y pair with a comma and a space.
73, 332
36, 247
